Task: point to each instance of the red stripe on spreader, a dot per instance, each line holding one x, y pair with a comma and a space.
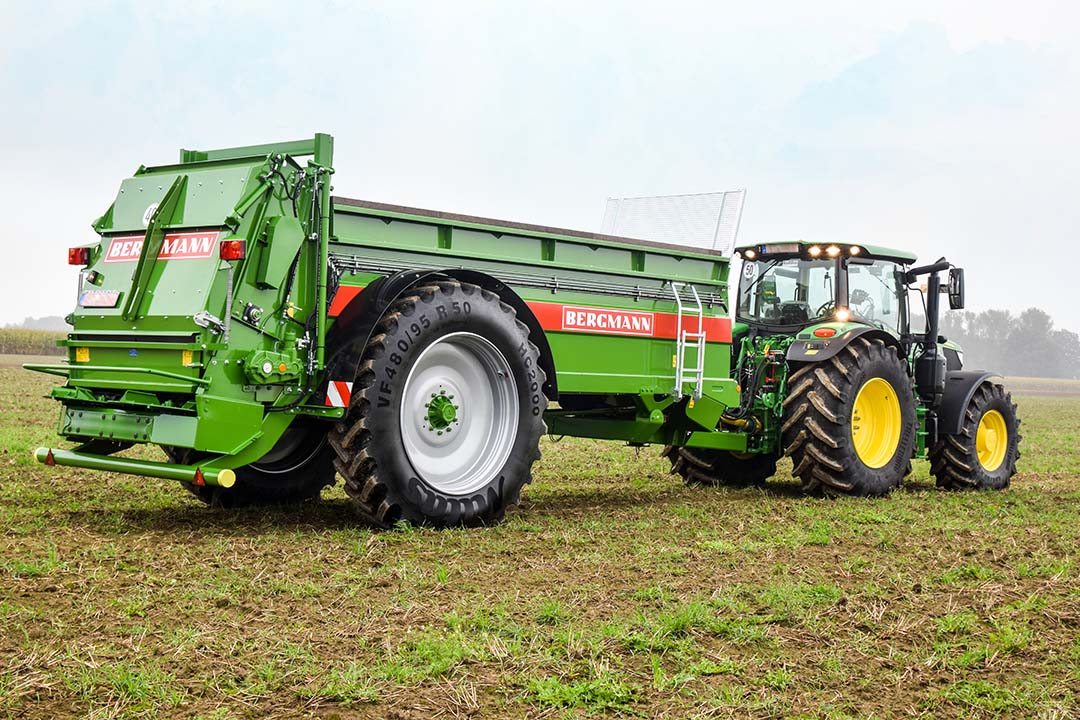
556, 317
344, 296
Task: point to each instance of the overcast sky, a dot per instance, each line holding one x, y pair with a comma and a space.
945, 127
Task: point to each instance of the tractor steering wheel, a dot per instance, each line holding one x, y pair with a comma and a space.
825, 309
862, 303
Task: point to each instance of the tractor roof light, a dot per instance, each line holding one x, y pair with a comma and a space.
232, 249
854, 250
813, 251
79, 256
749, 254
832, 251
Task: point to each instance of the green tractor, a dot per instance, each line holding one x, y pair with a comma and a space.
832, 375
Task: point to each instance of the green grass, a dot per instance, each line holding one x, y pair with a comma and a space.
612, 591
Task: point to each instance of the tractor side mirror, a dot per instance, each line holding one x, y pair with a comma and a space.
956, 288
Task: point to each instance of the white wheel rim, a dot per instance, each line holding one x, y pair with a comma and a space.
458, 451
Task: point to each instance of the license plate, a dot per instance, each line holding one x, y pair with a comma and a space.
100, 298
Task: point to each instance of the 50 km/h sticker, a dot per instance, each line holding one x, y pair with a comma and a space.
175, 246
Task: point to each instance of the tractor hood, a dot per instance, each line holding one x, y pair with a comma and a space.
821, 341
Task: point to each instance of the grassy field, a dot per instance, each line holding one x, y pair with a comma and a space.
613, 590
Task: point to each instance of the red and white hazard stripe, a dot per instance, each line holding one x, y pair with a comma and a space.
338, 393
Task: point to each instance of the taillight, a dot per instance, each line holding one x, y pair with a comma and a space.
232, 249
824, 332
79, 256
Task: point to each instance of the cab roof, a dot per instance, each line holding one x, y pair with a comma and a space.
803, 248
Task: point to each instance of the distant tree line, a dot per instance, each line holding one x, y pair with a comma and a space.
49, 322
1027, 344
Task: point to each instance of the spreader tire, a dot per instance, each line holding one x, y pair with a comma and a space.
446, 413
983, 456
849, 421
297, 469
701, 466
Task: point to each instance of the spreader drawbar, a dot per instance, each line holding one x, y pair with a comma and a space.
195, 475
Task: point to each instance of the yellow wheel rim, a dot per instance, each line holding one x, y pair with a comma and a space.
991, 440
876, 423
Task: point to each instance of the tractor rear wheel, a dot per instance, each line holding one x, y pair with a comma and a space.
849, 421
298, 467
701, 466
447, 411
983, 456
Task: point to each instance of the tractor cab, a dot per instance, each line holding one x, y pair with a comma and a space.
786, 288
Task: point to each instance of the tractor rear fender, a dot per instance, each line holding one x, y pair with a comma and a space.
960, 386
815, 349
346, 340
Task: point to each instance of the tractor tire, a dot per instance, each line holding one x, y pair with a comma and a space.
849, 421
983, 456
295, 470
701, 466
447, 411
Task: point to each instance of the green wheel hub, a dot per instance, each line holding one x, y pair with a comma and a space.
441, 412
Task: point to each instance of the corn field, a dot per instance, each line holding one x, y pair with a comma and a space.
18, 341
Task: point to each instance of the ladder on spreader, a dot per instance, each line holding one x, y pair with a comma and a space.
688, 304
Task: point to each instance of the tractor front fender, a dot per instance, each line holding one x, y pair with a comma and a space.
353, 328
960, 386
817, 349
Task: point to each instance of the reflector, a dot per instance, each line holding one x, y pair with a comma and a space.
79, 256
232, 249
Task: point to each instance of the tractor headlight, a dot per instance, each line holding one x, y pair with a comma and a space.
843, 314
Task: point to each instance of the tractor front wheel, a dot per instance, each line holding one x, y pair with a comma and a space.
983, 456
849, 421
701, 466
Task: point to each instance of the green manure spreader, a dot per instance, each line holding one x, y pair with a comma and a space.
270, 336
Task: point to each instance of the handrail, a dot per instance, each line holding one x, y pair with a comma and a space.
65, 371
